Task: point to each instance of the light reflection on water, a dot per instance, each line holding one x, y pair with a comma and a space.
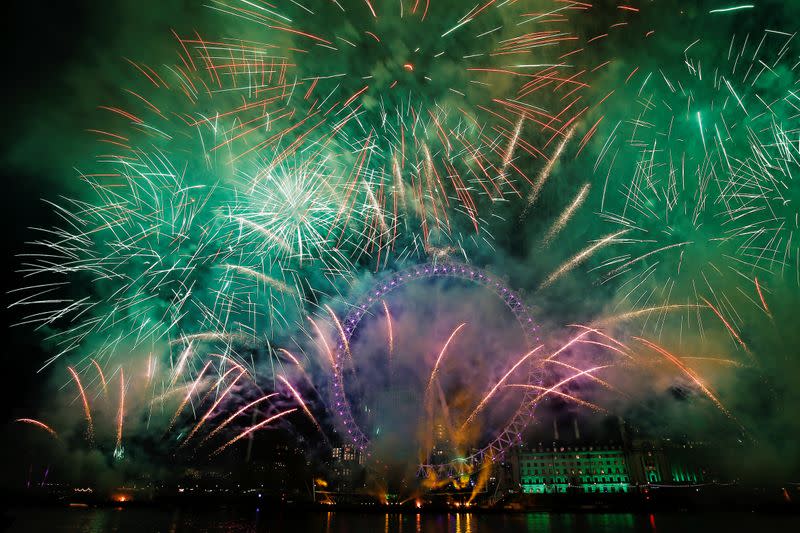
142, 520
476, 523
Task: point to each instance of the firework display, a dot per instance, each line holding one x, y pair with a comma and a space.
310, 221
508, 435
698, 179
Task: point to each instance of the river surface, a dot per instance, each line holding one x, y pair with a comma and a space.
145, 520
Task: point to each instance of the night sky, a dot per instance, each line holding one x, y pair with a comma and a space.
631, 169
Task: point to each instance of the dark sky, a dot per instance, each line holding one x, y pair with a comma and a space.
43, 39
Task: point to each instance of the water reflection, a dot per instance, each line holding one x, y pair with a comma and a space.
464, 523
478, 523
538, 521
140, 520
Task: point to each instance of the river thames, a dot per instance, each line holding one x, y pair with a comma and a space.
142, 520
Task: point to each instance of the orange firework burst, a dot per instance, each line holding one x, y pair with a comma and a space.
38, 424
86, 409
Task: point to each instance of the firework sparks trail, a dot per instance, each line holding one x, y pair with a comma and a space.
567, 345
564, 395
215, 404
545, 173
562, 221
440, 357
600, 333
512, 145
554, 388
121, 410
428, 398
691, 374
389, 331
252, 429
718, 360
168, 393
150, 368
761, 297
342, 336
571, 378
607, 346
186, 398
580, 257
38, 424
302, 370
206, 336
732, 8
646, 255
231, 418
266, 232
86, 410
494, 389
181, 363
292, 358
102, 376
260, 276
303, 405
320, 336
646, 311
727, 326
594, 378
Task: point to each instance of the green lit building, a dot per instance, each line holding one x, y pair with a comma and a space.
647, 463
583, 469
670, 463
571, 465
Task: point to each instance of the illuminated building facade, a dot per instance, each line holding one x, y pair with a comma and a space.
442, 450
670, 463
347, 453
611, 469
647, 463
347, 466
586, 469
